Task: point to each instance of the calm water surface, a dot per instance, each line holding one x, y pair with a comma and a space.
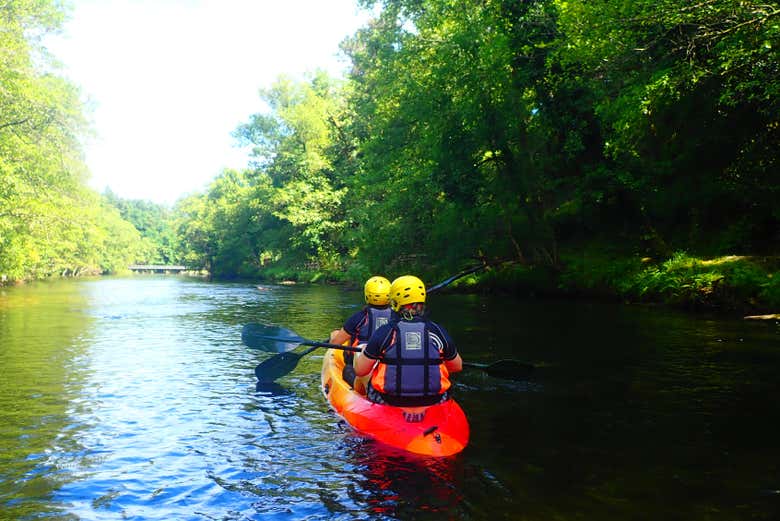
135, 399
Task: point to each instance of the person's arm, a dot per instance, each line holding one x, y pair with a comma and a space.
452, 360
363, 364
345, 334
455, 365
339, 336
372, 351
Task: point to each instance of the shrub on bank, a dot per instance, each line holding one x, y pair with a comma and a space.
729, 283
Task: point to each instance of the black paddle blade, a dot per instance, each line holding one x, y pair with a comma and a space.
273, 339
277, 366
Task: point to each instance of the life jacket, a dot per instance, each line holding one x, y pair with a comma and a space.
411, 366
372, 320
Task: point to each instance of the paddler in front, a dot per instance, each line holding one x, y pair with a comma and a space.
409, 360
361, 325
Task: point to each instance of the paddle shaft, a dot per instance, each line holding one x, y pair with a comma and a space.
285, 362
503, 368
475, 365
463, 273
312, 343
280, 364
510, 369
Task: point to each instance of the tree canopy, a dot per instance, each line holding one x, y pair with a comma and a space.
505, 129
473, 129
50, 222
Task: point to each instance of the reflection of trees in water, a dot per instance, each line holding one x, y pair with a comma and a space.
406, 486
42, 327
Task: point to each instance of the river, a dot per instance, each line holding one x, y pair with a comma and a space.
134, 398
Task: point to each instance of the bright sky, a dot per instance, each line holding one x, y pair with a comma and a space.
169, 80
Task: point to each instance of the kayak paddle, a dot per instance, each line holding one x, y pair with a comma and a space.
463, 273
280, 340
277, 366
276, 339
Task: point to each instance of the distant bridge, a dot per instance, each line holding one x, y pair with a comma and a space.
156, 268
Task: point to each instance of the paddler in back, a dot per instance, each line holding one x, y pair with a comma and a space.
359, 327
409, 360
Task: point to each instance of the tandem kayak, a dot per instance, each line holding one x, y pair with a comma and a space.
434, 430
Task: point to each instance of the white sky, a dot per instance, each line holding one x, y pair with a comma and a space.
169, 80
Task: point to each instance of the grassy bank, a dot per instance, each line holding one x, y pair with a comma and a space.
731, 284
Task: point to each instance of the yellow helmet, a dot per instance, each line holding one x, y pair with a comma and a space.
406, 290
377, 291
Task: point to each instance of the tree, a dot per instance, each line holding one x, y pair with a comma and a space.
687, 95
50, 223
446, 98
294, 147
155, 224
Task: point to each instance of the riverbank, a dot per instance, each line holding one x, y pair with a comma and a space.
734, 285
746, 285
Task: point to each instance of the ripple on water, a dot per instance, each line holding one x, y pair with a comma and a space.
134, 399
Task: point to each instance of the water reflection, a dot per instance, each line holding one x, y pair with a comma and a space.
272, 389
42, 346
399, 485
135, 398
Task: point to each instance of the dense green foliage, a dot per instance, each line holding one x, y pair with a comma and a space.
288, 213
686, 98
513, 130
155, 223
533, 131
728, 283
50, 223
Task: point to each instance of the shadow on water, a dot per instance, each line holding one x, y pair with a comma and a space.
272, 389
632, 413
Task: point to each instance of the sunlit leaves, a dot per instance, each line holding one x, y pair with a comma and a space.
439, 85
496, 128
50, 223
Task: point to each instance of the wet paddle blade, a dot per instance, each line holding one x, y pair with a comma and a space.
270, 338
279, 365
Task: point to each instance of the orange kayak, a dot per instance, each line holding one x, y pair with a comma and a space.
434, 430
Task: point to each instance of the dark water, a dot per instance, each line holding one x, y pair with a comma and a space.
135, 399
